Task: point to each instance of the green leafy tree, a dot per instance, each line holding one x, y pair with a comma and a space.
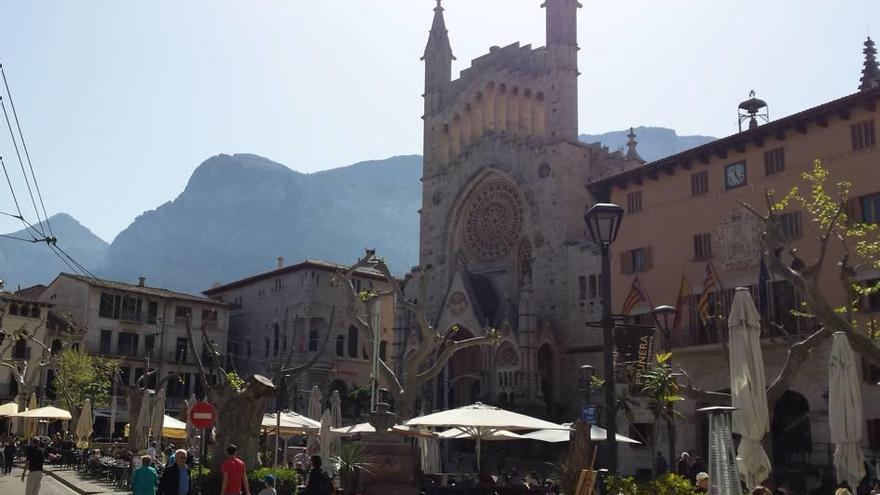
80, 376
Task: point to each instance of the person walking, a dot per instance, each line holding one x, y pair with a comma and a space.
144, 481
319, 483
33, 468
234, 474
176, 479
9, 455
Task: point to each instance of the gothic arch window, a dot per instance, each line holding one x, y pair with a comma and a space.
506, 356
547, 373
791, 429
353, 341
35, 311
492, 219
340, 345
13, 309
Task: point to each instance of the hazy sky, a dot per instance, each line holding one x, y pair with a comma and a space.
120, 101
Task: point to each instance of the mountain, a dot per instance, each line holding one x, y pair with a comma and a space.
24, 264
654, 142
239, 212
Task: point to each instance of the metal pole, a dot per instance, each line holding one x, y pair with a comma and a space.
608, 344
671, 429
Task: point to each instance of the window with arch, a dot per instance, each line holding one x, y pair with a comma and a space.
353, 342
13, 309
340, 345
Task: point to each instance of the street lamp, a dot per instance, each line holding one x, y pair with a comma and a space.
586, 378
665, 316
603, 222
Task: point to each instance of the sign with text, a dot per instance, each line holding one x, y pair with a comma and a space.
633, 350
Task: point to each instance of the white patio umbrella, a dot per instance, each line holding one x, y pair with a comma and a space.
291, 423
845, 412
84, 426
748, 389
480, 421
492, 436
367, 428
597, 434
142, 425
325, 437
48, 412
157, 417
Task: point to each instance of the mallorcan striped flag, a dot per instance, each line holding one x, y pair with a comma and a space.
710, 285
636, 295
684, 297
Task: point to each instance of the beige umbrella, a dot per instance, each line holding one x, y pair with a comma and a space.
30, 425
291, 423
325, 435
84, 426
48, 412
481, 421
8, 409
748, 389
142, 425
171, 428
314, 412
157, 418
845, 412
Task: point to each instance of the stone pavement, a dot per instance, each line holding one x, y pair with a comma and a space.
12, 485
75, 483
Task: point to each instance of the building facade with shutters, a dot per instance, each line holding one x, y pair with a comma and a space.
286, 314
144, 329
684, 220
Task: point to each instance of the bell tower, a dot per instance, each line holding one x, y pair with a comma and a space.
562, 49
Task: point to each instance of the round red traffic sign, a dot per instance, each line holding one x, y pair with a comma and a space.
202, 415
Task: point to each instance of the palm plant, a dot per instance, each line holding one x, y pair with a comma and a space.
352, 459
660, 385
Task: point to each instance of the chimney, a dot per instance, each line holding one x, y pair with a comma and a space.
280, 262
141, 281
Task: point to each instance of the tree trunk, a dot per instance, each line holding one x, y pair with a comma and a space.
134, 398
579, 456
239, 419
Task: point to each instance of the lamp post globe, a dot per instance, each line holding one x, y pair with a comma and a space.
603, 222
665, 318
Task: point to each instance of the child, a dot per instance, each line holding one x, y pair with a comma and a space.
268, 486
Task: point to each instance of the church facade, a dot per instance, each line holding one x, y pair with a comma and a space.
502, 229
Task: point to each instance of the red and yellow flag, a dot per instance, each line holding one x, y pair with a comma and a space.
636, 295
684, 296
711, 284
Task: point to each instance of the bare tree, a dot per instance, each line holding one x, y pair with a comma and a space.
857, 246
433, 347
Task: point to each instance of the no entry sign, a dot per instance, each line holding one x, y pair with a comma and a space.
202, 415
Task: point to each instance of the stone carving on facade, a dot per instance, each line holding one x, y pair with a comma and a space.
738, 239
458, 303
493, 217
506, 356
526, 260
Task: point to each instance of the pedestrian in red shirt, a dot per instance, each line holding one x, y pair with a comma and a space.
234, 474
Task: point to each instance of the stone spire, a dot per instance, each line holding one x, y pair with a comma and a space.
438, 55
871, 71
562, 68
631, 153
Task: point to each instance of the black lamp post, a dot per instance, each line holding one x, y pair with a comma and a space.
603, 222
665, 318
585, 379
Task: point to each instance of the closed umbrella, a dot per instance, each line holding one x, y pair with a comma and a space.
84, 426
158, 416
481, 421
430, 455
748, 389
325, 435
845, 412
142, 425
31, 424
335, 422
314, 411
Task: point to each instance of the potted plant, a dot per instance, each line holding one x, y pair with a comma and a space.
352, 459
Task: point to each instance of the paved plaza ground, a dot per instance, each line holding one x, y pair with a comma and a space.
12, 485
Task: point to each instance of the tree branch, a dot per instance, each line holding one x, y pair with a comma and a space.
317, 355
203, 377
797, 354
451, 348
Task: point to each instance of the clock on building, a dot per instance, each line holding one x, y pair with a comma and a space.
735, 175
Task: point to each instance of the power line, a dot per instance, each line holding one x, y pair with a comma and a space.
26, 153
21, 163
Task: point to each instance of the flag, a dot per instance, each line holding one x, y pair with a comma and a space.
636, 295
710, 285
684, 296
